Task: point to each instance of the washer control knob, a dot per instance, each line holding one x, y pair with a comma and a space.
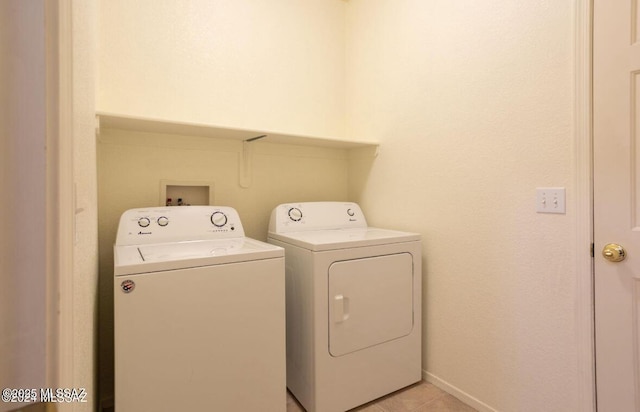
295, 214
350, 212
163, 221
218, 219
144, 222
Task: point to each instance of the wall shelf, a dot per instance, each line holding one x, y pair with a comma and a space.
125, 122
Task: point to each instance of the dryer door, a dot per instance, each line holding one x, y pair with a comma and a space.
370, 301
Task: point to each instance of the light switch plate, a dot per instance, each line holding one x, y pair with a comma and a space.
551, 200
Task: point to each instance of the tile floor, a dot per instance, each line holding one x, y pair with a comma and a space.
421, 397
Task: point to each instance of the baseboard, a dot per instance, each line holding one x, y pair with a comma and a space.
452, 390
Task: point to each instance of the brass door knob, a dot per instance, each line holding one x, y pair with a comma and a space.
614, 252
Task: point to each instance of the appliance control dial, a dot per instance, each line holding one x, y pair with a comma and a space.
218, 219
144, 222
351, 212
163, 221
295, 214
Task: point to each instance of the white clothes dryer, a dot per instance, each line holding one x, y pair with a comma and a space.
353, 305
199, 313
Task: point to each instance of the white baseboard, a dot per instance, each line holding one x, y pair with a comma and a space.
452, 390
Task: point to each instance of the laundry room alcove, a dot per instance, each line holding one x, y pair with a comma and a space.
137, 155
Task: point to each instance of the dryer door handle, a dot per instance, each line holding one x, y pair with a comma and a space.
340, 308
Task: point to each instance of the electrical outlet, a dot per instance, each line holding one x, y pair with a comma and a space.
551, 200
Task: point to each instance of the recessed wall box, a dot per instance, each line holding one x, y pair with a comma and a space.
189, 193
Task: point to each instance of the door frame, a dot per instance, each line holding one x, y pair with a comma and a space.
583, 99
60, 196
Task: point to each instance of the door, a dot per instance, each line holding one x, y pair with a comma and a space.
616, 100
370, 302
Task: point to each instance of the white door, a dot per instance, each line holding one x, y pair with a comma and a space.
616, 87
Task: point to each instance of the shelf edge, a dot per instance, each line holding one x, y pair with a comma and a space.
126, 122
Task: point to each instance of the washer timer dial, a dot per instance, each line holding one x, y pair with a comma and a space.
144, 222
295, 214
218, 219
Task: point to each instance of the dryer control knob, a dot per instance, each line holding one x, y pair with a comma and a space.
163, 221
144, 222
350, 212
218, 219
295, 214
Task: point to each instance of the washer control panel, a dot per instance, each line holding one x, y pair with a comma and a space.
295, 214
175, 224
295, 217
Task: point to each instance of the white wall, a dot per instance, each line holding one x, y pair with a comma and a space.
472, 104
22, 179
270, 65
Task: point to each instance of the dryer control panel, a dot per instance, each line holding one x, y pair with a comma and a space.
175, 224
296, 217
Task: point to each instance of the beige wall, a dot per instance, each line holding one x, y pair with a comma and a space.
266, 65
23, 303
472, 104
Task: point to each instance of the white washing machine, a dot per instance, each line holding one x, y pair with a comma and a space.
199, 313
353, 305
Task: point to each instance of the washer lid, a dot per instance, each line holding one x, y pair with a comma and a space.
181, 255
319, 240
